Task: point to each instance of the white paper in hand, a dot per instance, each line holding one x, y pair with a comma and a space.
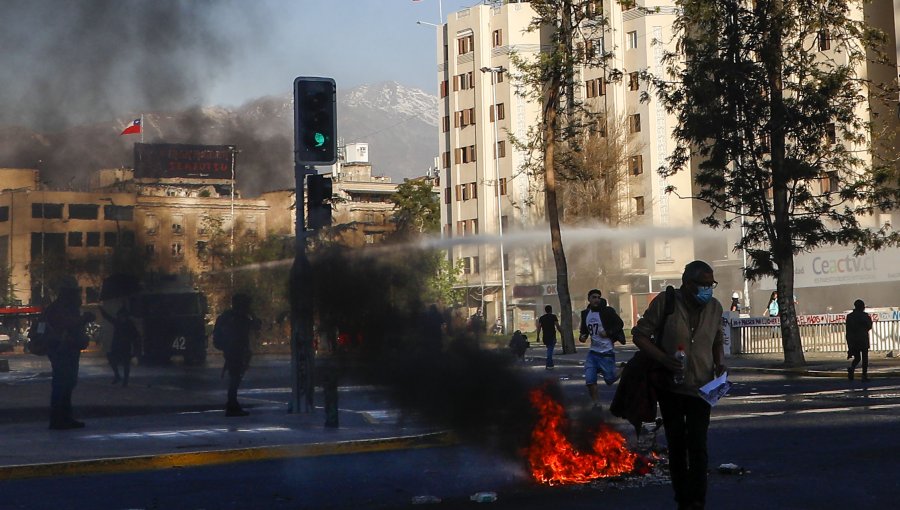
715, 389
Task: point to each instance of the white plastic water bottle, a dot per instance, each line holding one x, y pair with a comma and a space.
682, 359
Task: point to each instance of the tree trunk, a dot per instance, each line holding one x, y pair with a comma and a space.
782, 249
551, 124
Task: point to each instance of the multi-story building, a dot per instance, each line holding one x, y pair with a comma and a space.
484, 188
481, 106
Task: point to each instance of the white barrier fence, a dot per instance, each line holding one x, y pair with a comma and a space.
818, 333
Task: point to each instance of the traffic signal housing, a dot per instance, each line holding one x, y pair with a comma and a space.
315, 121
318, 202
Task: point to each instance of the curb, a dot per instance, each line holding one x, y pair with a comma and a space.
217, 457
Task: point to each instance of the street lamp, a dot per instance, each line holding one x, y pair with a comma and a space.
495, 71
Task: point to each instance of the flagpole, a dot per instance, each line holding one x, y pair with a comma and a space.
440, 12
142, 128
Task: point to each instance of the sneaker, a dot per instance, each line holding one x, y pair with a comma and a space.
67, 425
236, 412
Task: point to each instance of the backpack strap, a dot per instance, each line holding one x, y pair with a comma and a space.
668, 308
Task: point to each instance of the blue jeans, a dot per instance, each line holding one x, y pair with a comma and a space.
604, 363
550, 348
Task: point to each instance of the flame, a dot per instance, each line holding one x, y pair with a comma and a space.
554, 460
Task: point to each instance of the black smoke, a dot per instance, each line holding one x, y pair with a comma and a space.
75, 73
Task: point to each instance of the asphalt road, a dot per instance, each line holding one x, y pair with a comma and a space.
804, 443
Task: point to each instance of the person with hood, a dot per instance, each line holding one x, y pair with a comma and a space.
694, 328
66, 326
602, 325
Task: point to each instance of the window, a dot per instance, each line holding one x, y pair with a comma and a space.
445, 123
506, 261
49, 211
499, 76
445, 159
118, 212
497, 38
4, 213
593, 8
110, 238
92, 239
150, 250
473, 190
83, 211
177, 249
501, 111
830, 183
458, 192
151, 224
600, 128
460, 228
202, 251
91, 295
639, 250
639, 206
465, 191
503, 186
76, 239
830, 133
448, 233
475, 228
595, 87
824, 39
127, 238
634, 83
177, 224
500, 148
636, 164
631, 40
443, 88
634, 123
446, 195
465, 44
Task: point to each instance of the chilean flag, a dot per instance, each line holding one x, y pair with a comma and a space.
134, 128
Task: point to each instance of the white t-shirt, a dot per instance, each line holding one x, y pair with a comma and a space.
599, 341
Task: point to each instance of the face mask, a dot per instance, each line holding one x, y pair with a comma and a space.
704, 294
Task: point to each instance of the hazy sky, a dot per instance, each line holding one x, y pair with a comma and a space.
92, 60
353, 41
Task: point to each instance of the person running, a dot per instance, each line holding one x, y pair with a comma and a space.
603, 326
694, 328
548, 325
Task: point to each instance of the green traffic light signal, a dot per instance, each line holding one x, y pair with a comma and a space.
320, 139
315, 121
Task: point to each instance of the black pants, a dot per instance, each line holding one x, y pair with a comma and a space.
686, 420
861, 354
64, 367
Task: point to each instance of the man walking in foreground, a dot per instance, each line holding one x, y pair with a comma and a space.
859, 323
695, 329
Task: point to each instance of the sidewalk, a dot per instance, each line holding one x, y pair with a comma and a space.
177, 429
188, 428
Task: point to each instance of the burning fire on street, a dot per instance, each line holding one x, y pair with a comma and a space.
554, 460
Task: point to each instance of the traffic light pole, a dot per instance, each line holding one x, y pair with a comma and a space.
302, 352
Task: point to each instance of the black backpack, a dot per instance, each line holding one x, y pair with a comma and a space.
223, 332
41, 339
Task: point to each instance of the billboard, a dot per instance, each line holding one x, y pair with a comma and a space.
174, 160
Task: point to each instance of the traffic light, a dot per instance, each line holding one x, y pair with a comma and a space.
318, 203
315, 121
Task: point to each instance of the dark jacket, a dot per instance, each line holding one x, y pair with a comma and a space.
859, 323
611, 321
236, 328
67, 324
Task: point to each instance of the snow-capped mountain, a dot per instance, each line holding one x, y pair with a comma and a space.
399, 123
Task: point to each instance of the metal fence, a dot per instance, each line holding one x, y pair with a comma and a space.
818, 333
